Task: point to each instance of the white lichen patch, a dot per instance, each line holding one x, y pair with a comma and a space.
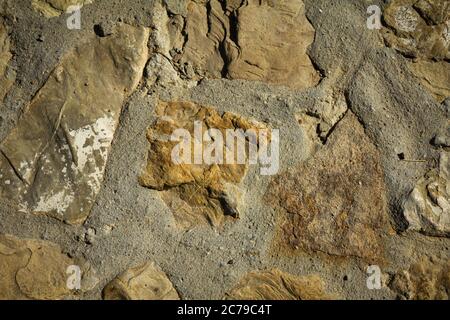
57, 202
406, 19
25, 170
91, 144
92, 139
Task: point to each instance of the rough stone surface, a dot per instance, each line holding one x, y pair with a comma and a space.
53, 161
32, 269
352, 104
428, 207
196, 192
334, 203
54, 8
401, 118
421, 30
434, 76
277, 285
426, 279
145, 282
7, 76
262, 41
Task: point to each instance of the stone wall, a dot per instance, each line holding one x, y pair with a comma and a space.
343, 188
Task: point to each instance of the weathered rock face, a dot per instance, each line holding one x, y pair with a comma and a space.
198, 191
54, 8
277, 285
7, 76
434, 76
319, 121
335, 202
421, 29
428, 207
177, 7
259, 40
425, 280
32, 269
146, 282
53, 162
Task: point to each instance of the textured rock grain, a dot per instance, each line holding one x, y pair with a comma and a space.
261, 40
197, 192
428, 207
7, 76
53, 162
425, 280
32, 269
54, 8
334, 203
421, 30
277, 285
145, 282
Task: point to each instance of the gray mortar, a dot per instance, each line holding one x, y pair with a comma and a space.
197, 261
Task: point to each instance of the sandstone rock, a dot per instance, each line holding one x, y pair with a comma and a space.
166, 42
277, 285
428, 207
167, 31
272, 38
261, 41
7, 76
425, 280
53, 162
334, 202
401, 120
54, 8
319, 121
446, 106
146, 282
421, 29
160, 73
176, 6
32, 269
206, 27
434, 76
197, 192
442, 139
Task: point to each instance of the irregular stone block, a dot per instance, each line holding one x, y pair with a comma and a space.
428, 207
197, 192
277, 285
53, 162
32, 269
335, 202
206, 28
425, 280
421, 30
272, 38
176, 6
7, 76
54, 8
434, 76
259, 40
146, 282
400, 119
319, 121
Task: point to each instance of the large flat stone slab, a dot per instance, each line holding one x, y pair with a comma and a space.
335, 202
53, 162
